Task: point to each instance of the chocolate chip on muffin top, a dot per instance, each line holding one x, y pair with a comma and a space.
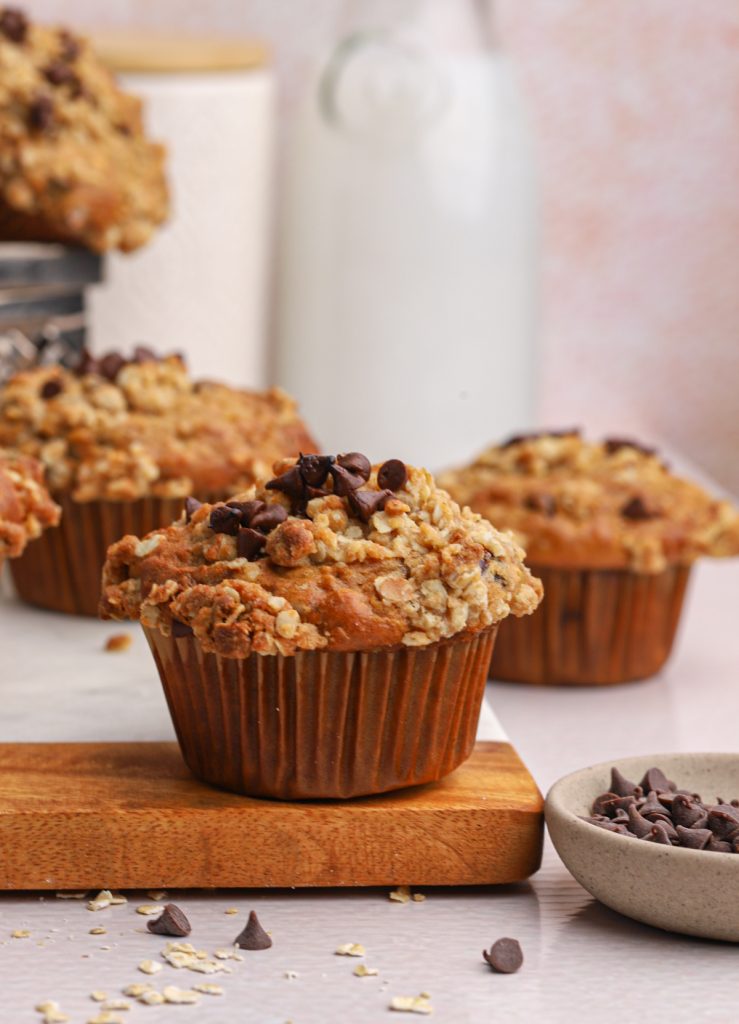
121, 428
322, 556
579, 504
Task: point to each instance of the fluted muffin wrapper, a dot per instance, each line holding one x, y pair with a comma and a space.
324, 724
594, 626
62, 569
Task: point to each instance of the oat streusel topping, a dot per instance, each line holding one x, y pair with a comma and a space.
25, 506
328, 559
578, 504
150, 430
75, 165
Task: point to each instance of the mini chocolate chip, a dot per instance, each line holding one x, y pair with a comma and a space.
685, 811
693, 838
87, 363
290, 483
610, 826
171, 922
392, 475
537, 435
615, 444
268, 518
41, 114
191, 507
610, 807
225, 520
658, 834
246, 509
621, 785
51, 388
485, 561
655, 779
652, 805
505, 956
314, 468
544, 504
142, 354
69, 46
356, 463
14, 24
635, 508
722, 825
639, 825
602, 801
253, 936
249, 543
180, 629
111, 365
365, 503
718, 846
59, 73
344, 481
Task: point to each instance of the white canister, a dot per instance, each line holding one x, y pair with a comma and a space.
200, 286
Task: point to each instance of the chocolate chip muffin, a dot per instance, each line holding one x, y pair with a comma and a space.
613, 534
327, 632
122, 441
25, 506
76, 165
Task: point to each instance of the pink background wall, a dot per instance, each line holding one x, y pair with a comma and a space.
635, 106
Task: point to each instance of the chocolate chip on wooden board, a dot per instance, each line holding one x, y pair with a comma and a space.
171, 922
505, 956
253, 936
667, 815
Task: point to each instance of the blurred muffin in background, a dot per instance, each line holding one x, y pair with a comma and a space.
76, 165
612, 533
26, 508
122, 442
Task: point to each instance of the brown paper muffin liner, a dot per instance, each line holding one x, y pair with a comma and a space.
61, 570
324, 724
595, 626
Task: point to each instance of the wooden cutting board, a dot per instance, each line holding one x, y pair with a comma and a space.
130, 815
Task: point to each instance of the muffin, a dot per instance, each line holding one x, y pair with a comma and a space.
613, 535
25, 506
121, 443
326, 633
76, 165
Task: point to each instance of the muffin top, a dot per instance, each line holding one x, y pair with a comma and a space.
25, 505
76, 166
610, 504
120, 430
331, 554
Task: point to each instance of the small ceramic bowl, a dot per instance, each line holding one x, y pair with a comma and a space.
679, 890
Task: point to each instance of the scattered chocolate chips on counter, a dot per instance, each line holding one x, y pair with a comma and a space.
253, 936
666, 815
171, 922
505, 956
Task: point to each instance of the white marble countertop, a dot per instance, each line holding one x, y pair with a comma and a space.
583, 962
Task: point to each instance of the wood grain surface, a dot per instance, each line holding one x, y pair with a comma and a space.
130, 815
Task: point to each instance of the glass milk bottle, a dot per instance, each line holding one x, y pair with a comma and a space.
407, 254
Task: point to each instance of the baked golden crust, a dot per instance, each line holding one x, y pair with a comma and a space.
609, 505
412, 572
76, 166
25, 506
149, 431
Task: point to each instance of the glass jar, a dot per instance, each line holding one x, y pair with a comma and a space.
407, 271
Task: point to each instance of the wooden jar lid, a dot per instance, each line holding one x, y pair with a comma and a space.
156, 53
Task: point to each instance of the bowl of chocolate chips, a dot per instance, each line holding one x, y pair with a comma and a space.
655, 838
